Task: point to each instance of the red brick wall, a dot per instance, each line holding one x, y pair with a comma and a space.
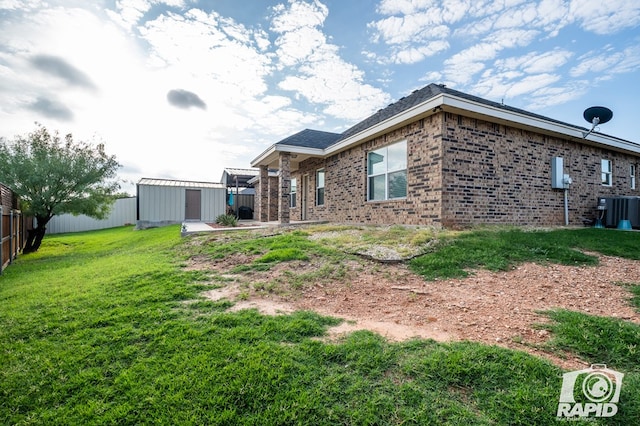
464, 171
498, 174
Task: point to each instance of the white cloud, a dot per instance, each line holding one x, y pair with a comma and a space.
422, 30
461, 67
417, 54
557, 95
412, 28
129, 12
608, 61
206, 50
405, 7
316, 70
605, 18
535, 62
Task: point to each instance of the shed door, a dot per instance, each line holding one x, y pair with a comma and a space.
192, 207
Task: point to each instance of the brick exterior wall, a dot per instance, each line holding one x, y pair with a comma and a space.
464, 171
272, 206
498, 174
261, 200
284, 187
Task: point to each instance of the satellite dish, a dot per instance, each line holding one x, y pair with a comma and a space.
596, 115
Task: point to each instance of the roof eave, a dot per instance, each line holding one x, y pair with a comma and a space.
455, 104
423, 109
268, 156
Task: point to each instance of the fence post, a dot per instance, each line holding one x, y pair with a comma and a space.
18, 232
11, 236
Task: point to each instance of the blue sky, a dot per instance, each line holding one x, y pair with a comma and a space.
181, 89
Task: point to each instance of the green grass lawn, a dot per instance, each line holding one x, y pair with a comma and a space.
106, 327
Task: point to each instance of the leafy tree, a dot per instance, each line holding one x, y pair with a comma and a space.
52, 176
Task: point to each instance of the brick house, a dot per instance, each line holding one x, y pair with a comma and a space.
443, 157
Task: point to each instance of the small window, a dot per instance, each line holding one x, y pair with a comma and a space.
632, 175
606, 172
294, 192
320, 187
387, 172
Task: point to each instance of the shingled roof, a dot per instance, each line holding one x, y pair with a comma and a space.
311, 139
423, 95
441, 95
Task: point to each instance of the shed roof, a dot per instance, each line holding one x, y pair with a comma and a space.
180, 183
239, 177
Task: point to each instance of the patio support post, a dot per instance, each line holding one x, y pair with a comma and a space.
284, 187
263, 200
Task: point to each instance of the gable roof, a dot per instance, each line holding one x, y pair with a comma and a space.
425, 102
415, 98
180, 183
422, 95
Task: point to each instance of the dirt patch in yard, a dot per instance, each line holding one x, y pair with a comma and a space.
499, 308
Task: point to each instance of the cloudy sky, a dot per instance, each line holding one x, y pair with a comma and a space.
181, 89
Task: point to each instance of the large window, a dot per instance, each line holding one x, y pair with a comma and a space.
606, 172
294, 192
320, 187
387, 172
632, 175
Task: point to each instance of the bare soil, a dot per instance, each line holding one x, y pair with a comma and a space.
498, 308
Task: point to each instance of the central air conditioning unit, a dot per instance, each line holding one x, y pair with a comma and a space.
622, 208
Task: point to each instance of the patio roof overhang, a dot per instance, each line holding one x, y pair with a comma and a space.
299, 154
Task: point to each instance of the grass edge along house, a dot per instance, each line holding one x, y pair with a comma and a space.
443, 157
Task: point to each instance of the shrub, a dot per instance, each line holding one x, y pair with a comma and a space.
227, 220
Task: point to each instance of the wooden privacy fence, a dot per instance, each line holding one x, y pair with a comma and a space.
11, 229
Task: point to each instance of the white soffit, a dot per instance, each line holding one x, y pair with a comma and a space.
454, 104
539, 125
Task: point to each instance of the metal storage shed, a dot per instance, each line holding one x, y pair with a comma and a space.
164, 201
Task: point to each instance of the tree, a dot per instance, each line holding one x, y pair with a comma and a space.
53, 176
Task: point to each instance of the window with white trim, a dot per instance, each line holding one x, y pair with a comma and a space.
632, 175
320, 174
606, 172
387, 172
294, 192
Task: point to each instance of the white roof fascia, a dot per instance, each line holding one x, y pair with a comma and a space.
256, 161
300, 150
539, 123
454, 102
383, 126
316, 152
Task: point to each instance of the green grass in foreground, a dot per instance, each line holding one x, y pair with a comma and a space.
104, 327
500, 249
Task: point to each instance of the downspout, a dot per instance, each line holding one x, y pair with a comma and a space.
566, 181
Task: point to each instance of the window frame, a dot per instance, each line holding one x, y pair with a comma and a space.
320, 189
387, 172
293, 193
606, 176
632, 175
